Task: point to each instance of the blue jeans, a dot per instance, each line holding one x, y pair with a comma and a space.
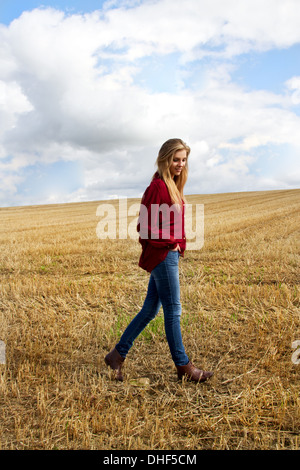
163, 289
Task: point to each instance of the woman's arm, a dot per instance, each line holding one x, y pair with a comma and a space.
154, 224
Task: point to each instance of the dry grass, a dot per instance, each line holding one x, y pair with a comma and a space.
66, 296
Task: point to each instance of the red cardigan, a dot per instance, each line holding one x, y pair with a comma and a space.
159, 228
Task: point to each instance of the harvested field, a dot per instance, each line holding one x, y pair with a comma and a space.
66, 296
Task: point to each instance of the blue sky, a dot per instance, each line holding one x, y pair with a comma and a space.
89, 90
11, 9
268, 70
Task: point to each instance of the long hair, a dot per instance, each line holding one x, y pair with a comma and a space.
164, 160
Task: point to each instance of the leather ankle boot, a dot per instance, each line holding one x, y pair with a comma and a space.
192, 373
115, 361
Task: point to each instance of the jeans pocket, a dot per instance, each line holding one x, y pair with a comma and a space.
173, 257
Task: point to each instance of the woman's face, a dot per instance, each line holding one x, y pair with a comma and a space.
178, 163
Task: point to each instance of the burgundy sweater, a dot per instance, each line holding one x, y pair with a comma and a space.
160, 225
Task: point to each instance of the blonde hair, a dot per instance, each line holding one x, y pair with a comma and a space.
164, 160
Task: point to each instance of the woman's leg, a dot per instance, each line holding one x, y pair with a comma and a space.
136, 326
166, 278
163, 289
167, 284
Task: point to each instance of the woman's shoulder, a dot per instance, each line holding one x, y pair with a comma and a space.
157, 184
157, 190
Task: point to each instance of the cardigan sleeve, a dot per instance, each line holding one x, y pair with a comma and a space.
153, 225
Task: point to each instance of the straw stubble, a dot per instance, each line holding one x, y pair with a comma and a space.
66, 296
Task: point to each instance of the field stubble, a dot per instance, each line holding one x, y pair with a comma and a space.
66, 296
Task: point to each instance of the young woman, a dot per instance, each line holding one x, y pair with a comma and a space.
162, 236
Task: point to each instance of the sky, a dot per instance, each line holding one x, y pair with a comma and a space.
90, 90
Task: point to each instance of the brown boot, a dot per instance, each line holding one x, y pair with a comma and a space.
192, 373
115, 361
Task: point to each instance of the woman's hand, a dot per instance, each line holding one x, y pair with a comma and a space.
177, 248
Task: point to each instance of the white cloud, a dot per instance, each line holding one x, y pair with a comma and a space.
293, 86
68, 91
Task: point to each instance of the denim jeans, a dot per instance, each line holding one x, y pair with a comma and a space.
163, 289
